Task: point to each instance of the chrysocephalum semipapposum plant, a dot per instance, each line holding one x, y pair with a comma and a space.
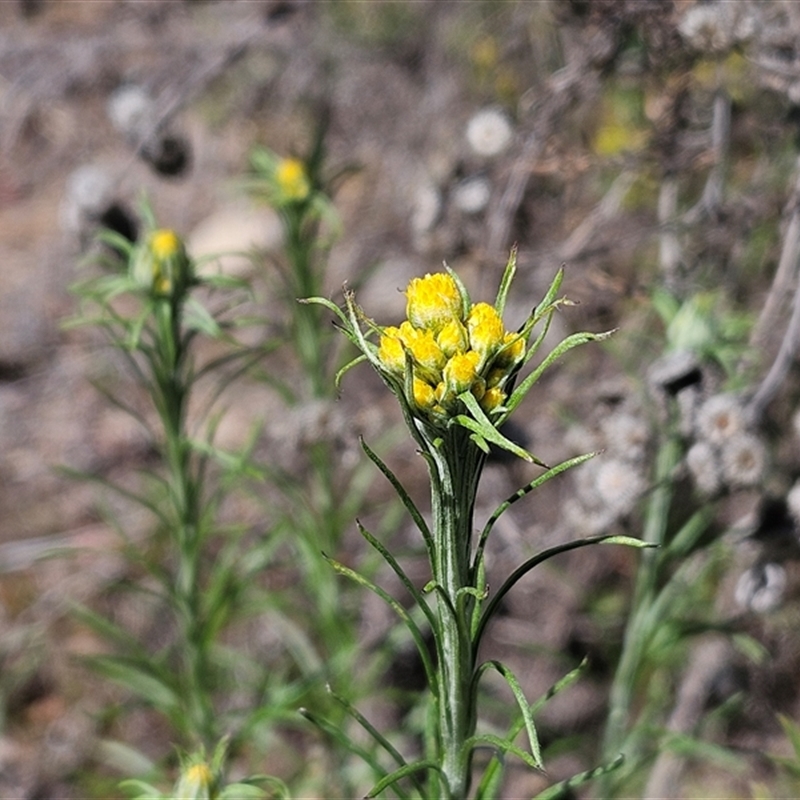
152, 306
458, 375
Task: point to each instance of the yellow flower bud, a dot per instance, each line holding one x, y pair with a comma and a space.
478, 388
195, 782
492, 398
511, 352
426, 352
485, 328
424, 395
433, 301
161, 264
460, 372
164, 243
391, 352
452, 338
292, 180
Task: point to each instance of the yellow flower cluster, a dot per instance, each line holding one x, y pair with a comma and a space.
452, 348
160, 265
292, 180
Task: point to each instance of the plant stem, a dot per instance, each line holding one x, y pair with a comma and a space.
173, 390
455, 467
306, 319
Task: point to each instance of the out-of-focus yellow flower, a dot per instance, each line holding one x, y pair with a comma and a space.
195, 782
164, 243
484, 53
292, 180
433, 301
161, 264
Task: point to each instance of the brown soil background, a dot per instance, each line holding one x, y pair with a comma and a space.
400, 82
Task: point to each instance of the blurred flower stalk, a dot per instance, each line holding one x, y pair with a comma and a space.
293, 187
457, 374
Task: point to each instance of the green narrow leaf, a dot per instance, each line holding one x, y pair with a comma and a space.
560, 685
549, 299
197, 317
500, 745
506, 281
339, 736
480, 442
792, 731
329, 304
684, 541
409, 504
751, 648
375, 734
412, 626
519, 494
137, 676
534, 561
120, 490
106, 629
337, 379
139, 790
398, 570
492, 776
519, 695
491, 781
479, 423
466, 302
564, 788
559, 350
245, 791
628, 541
399, 774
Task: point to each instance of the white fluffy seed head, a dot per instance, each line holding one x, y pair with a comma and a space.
619, 485
130, 109
744, 458
720, 418
489, 132
472, 195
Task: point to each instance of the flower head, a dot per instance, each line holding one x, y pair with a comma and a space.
196, 782
460, 372
292, 181
486, 330
452, 364
453, 346
161, 265
720, 418
702, 460
489, 132
743, 460
433, 301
